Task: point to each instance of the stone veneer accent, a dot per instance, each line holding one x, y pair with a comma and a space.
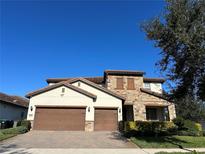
31, 124
138, 99
130, 95
89, 126
172, 111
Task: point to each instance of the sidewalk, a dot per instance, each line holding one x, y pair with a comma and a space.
90, 151
152, 151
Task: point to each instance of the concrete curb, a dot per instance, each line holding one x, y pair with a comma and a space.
89, 151
153, 151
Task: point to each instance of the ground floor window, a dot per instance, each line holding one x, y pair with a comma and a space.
157, 113
128, 114
151, 113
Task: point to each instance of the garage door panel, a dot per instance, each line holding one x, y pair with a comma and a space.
106, 119
59, 119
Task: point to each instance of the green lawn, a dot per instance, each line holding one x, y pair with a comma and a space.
6, 136
180, 153
169, 142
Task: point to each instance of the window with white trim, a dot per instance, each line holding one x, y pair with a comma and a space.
147, 85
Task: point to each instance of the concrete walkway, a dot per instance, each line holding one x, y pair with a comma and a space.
90, 151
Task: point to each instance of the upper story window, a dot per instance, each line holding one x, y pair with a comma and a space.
119, 83
147, 85
130, 84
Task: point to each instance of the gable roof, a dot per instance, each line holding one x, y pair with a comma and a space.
154, 94
123, 72
15, 100
97, 80
100, 79
64, 83
154, 80
97, 87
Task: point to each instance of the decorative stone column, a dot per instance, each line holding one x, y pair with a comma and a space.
172, 111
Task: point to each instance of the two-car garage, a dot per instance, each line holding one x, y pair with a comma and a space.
67, 106
73, 119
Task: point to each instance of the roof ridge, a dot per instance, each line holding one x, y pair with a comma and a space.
98, 87
123, 70
75, 87
62, 83
154, 79
93, 78
13, 99
154, 94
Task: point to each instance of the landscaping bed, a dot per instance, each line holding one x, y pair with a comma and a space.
10, 132
23, 127
169, 142
180, 153
165, 134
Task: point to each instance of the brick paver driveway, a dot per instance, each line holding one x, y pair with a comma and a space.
67, 139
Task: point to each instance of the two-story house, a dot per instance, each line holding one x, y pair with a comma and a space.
98, 103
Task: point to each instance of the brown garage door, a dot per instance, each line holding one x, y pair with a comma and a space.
55, 118
106, 119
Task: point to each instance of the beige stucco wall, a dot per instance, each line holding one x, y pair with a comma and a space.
70, 97
55, 97
103, 99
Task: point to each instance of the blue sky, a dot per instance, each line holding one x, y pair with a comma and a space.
43, 39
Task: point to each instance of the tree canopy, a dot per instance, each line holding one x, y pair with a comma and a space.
180, 33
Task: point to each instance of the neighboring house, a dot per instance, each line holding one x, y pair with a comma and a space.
13, 107
98, 103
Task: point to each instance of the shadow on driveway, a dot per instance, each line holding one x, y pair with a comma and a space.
12, 149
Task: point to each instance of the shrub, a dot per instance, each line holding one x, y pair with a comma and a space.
192, 128
199, 126
16, 130
24, 123
6, 124
161, 128
129, 125
1, 134
154, 128
179, 122
187, 127
148, 128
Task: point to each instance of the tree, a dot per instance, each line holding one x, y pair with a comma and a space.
189, 108
180, 33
